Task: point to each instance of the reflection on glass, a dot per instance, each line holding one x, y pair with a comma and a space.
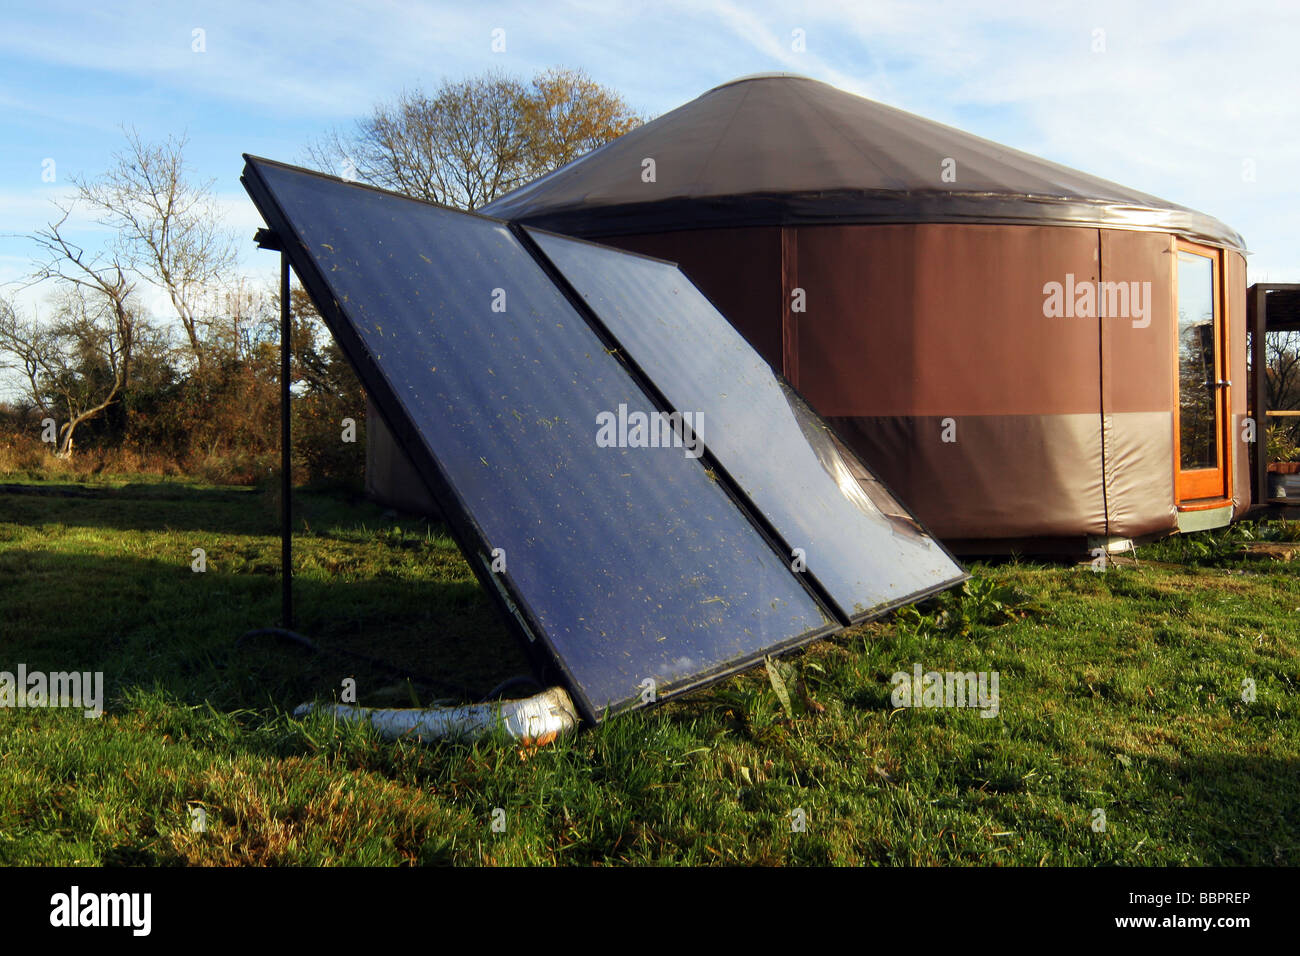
1197, 369
865, 489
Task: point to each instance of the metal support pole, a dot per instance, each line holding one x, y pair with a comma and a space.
286, 475
1257, 312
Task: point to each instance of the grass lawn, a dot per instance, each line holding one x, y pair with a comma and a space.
1120, 692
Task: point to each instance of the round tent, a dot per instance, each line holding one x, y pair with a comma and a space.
1021, 350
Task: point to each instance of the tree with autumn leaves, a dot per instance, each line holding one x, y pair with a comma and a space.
469, 141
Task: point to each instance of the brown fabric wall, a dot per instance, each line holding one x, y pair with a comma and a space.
391, 479
911, 328
1138, 387
1004, 476
1139, 473
944, 320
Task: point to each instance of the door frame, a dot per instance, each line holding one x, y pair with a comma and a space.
1202, 484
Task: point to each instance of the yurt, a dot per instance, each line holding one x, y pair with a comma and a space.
1031, 357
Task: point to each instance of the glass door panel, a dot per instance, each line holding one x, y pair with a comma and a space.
1202, 380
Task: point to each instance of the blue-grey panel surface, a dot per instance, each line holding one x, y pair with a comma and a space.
631, 564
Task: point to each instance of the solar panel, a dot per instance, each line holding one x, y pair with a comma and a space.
635, 566
859, 543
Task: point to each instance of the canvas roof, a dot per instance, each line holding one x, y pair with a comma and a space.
779, 149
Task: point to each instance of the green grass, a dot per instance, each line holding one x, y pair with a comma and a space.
1120, 691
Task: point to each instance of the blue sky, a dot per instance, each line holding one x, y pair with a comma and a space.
1182, 97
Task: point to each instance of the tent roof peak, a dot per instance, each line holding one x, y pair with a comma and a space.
782, 149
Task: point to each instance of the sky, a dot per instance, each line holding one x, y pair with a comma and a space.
1195, 102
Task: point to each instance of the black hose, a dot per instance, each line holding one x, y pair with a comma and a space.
505, 685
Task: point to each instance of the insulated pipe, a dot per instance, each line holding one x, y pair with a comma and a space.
532, 720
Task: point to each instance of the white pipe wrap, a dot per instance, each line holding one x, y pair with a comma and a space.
532, 720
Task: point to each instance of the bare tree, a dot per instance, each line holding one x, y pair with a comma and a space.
97, 318
1282, 381
77, 365
168, 228
461, 147
1282, 389
248, 309
24, 345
